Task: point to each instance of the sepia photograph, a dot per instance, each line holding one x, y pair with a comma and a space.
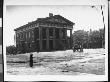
55, 40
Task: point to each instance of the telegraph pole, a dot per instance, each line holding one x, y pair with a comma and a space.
103, 37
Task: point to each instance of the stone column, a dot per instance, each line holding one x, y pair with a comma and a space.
47, 38
54, 38
60, 36
66, 39
40, 37
60, 39
71, 39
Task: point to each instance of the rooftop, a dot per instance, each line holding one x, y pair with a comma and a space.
48, 20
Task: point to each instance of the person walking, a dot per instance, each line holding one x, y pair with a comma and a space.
31, 60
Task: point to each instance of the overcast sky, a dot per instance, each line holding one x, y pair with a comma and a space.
0, 22
84, 17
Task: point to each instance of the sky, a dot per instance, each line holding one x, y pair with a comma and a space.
85, 17
0, 22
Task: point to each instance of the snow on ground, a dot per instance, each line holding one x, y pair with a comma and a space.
91, 61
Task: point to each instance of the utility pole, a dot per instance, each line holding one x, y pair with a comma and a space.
103, 37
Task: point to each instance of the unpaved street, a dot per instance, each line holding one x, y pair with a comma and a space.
91, 61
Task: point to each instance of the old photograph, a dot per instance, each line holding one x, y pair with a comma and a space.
1, 55
68, 40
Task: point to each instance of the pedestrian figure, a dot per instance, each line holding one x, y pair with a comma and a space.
81, 48
31, 60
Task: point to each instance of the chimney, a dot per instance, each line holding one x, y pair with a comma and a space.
50, 14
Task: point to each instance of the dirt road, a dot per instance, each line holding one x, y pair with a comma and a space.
91, 61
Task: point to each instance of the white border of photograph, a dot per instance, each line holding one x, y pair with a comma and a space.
56, 77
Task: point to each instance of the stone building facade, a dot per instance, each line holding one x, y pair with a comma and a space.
45, 34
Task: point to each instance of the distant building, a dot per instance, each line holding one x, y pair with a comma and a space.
44, 34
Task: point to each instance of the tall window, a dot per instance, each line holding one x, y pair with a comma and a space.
32, 33
44, 33
29, 45
57, 33
63, 33
51, 33
37, 33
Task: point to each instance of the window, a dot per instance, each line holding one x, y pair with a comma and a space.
44, 33
51, 33
19, 36
32, 33
57, 33
29, 45
37, 33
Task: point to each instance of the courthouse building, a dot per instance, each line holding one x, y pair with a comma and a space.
45, 34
